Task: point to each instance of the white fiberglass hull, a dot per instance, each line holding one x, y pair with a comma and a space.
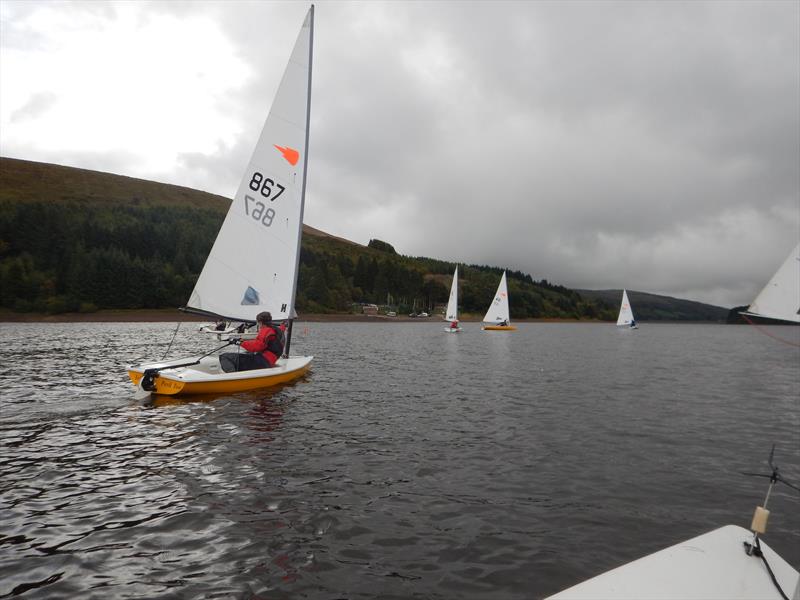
711, 566
207, 377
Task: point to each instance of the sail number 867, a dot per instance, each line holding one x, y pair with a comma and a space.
265, 186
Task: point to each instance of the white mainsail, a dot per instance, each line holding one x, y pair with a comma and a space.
780, 298
452, 303
253, 264
498, 311
625, 311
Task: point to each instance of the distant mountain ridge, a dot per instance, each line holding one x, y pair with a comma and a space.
79, 240
652, 307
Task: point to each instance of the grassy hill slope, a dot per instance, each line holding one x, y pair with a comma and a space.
32, 182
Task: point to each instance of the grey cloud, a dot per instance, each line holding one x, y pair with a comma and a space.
596, 144
36, 105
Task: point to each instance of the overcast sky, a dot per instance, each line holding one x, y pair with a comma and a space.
647, 145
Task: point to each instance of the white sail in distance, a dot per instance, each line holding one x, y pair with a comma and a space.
452, 303
253, 264
625, 311
780, 298
498, 311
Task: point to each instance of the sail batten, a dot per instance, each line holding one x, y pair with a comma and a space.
253, 264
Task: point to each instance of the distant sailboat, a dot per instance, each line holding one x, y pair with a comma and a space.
452, 306
253, 265
779, 301
625, 317
498, 316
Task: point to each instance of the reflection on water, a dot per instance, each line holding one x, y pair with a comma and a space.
408, 462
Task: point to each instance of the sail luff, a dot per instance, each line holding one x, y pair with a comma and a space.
305, 165
292, 314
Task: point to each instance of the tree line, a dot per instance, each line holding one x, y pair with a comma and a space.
73, 256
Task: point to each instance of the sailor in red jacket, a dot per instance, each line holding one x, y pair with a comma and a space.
262, 352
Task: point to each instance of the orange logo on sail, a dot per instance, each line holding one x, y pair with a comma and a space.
290, 154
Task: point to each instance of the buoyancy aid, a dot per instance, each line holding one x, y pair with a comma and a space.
275, 344
269, 342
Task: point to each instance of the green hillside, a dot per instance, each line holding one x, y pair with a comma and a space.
651, 307
79, 240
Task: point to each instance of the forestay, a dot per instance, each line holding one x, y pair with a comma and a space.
452, 303
625, 311
253, 264
498, 311
780, 298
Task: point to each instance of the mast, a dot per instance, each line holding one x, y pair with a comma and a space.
292, 312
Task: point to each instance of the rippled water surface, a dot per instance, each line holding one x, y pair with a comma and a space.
408, 463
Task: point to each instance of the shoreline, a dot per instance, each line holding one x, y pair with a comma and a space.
174, 316
169, 315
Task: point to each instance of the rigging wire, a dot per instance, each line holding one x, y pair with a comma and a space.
172, 340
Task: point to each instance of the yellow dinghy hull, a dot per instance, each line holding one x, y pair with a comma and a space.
499, 328
207, 377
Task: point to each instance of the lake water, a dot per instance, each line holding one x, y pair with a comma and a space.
408, 463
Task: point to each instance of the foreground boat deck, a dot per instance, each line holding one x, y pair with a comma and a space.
712, 566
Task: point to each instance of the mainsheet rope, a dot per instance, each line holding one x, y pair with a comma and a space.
760, 553
772, 335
